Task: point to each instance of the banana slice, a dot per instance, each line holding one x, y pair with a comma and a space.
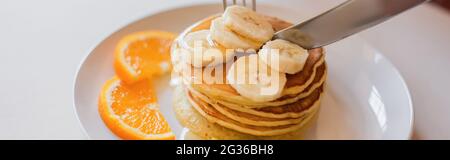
200, 53
255, 80
227, 38
291, 57
248, 23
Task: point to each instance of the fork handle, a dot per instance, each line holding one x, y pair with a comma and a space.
344, 20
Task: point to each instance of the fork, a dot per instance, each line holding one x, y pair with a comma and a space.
243, 3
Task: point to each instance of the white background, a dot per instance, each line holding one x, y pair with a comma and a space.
43, 42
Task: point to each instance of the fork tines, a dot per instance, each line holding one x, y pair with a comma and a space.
243, 3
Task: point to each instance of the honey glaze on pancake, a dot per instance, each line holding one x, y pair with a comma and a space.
214, 116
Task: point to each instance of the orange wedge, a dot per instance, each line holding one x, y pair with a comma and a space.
142, 55
131, 111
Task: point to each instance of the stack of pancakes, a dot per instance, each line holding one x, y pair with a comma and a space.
217, 111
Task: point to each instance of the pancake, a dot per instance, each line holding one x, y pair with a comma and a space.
296, 83
293, 113
214, 116
244, 117
199, 125
318, 81
215, 110
277, 113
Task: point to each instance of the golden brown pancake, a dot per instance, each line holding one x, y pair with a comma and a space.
202, 127
288, 112
293, 113
217, 111
295, 84
214, 116
318, 80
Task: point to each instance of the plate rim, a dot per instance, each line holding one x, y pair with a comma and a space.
408, 94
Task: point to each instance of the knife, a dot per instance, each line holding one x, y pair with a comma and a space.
344, 20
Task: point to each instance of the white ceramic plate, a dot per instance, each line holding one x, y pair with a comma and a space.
366, 97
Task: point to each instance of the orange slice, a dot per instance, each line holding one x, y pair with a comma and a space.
131, 111
142, 55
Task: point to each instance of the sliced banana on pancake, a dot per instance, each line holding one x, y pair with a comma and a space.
227, 38
200, 53
191, 38
255, 80
248, 23
291, 57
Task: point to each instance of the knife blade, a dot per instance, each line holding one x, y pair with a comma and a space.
344, 20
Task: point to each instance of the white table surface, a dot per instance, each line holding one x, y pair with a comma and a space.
43, 42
